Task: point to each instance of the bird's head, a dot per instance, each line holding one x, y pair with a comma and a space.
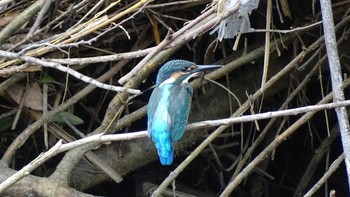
180, 71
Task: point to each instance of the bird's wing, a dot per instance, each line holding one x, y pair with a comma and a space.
159, 122
152, 107
179, 108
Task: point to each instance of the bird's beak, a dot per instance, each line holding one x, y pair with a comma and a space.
201, 68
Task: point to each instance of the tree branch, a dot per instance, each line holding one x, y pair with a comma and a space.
336, 78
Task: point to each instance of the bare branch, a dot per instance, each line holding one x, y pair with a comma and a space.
70, 71
105, 58
336, 78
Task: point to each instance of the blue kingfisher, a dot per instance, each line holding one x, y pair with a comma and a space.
169, 105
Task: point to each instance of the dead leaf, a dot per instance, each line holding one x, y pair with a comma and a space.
8, 18
33, 99
286, 9
32, 68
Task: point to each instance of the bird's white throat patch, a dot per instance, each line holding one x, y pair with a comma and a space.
189, 77
173, 79
168, 81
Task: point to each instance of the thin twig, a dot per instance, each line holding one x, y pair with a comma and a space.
69, 71
39, 18
265, 115
104, 58
56, 46
315, 161
334, 166
297, 29
267, 43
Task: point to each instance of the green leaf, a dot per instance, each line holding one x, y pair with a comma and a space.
6, 124
73, 119
47, 79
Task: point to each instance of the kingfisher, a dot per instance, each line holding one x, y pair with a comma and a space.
169, 105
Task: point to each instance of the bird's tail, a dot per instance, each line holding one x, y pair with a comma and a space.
164, 147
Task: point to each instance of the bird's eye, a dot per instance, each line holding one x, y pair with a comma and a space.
190, 68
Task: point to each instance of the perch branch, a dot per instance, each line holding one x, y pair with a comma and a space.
59, 147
